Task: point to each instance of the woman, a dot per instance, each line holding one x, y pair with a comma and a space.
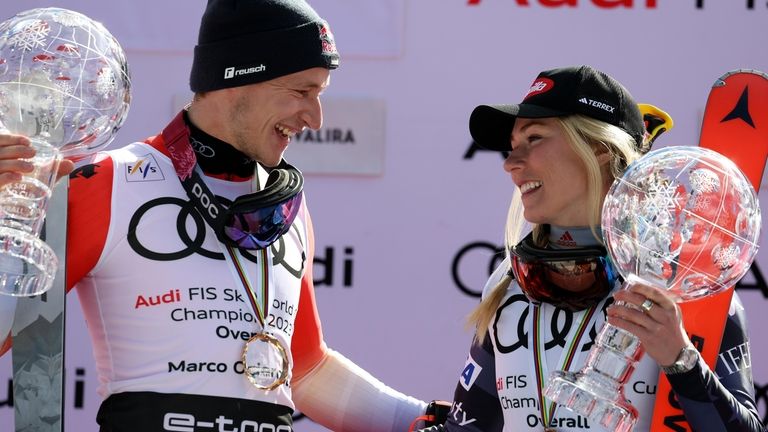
576, 131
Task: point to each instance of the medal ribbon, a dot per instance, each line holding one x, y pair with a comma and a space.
547, 409
239, 272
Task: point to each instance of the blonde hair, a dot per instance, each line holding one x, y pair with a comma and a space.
588, 138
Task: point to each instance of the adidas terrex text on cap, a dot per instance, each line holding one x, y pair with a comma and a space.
556, 93
243, 42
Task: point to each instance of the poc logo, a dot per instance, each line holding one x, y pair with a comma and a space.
205, 201
231, 72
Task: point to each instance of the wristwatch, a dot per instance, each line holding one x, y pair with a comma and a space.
685, 361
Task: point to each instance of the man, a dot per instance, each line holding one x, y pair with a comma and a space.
192, 251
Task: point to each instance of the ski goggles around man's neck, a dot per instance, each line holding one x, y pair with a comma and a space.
574, 278
256, 220
252, 221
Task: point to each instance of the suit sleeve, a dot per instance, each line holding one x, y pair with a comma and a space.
723, 400
475, 406
332, 390
88, 215
307, 346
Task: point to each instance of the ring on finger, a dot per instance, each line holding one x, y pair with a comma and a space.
647, 305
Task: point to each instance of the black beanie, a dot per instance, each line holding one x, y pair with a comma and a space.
244, 42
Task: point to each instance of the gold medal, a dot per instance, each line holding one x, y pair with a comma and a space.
265, 361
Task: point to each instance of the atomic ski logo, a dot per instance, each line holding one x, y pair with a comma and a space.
741, 110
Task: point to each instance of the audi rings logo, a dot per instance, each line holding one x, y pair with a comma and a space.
201, 148
470, 262
509, 326
194, 242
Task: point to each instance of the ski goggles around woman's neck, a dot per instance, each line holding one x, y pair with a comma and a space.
573, 278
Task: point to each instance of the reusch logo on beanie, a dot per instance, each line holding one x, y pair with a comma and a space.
243, 42
231, 72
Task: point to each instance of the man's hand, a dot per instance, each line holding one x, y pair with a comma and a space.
14, 150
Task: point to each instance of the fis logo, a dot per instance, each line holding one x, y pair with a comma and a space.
143, 169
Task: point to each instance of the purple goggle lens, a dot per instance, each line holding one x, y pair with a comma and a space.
259, 228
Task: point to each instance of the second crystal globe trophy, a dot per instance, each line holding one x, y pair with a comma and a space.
682, 219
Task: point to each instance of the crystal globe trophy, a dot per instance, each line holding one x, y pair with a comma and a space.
64, 83
682, 219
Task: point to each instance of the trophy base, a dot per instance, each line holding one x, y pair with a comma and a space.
27, 265
580, 394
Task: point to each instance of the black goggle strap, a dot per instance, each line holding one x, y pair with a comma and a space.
206, 203
527, 252
176, 138
283, 183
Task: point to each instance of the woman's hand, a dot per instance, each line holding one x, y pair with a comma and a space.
660, 328
14, 149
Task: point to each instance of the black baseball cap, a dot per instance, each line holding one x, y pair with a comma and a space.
556, 93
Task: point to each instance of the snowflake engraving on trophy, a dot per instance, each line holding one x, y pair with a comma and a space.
30, 36
64, 83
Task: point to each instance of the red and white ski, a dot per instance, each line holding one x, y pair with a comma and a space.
735, 125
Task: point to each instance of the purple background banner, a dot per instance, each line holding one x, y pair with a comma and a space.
402, 255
